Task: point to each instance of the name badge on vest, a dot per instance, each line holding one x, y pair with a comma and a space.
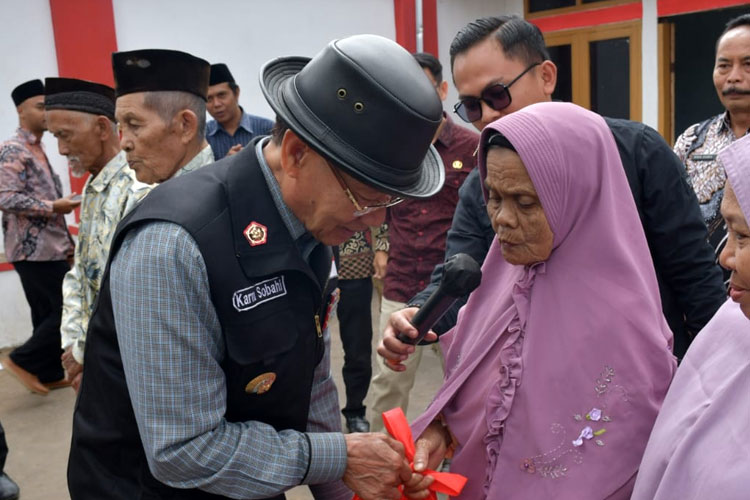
259, 293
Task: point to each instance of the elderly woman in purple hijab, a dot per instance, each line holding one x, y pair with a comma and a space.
560, 360
700, 445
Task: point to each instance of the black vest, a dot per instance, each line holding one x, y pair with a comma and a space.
270, 304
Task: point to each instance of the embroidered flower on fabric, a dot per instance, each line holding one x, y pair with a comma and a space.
554, 463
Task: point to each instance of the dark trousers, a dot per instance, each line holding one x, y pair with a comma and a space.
42, 285
355, 326
3, 449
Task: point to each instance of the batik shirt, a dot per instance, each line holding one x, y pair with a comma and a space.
698, 147
106, 199
28, 186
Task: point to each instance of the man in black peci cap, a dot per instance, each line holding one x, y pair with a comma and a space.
161, 111
37, 241
231, 128
81, 115
207, 361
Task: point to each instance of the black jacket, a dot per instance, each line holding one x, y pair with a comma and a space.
689, 280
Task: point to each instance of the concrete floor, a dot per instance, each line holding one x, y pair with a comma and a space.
38, 428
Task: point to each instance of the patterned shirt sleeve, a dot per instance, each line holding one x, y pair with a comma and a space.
381, 238
71, 326
161, 298
683, 142
324, 426
13, 178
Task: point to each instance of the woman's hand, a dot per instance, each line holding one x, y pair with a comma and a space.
391, 348
431, 448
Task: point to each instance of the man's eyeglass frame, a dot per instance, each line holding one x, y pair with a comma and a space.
360, 210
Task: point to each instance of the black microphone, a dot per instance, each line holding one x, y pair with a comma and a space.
461, 275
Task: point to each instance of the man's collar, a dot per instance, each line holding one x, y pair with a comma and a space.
447, 132
726, 123
108, 172
213, 126
203, 158
28, 136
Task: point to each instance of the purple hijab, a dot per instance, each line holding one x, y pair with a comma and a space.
555, 372
700, 446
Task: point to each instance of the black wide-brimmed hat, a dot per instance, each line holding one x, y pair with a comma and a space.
28, 89
365, 104
150, 70
79, 95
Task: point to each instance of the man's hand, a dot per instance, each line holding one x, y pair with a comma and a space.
234, 149
73, 369
391, 348
375, 466
430, 451
380, 262
66, 204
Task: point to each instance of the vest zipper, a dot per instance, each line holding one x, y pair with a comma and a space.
317, 325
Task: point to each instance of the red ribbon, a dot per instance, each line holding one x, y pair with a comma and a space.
445, 482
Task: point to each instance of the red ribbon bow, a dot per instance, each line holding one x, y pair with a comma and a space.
445, 482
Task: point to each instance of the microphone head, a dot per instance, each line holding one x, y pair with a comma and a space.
461, 275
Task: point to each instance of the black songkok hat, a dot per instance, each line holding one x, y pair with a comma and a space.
25, 90
79, 95
220, 74
159, 69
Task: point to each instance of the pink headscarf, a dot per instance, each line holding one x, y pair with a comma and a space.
555, 372
701, 441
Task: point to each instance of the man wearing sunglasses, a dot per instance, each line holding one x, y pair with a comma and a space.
500, 65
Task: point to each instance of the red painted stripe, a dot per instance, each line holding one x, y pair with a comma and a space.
616, 14
73, 230
6, 266
673, 7
406, 20
429, 23
84, 41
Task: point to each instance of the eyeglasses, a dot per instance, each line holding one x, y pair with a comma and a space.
360, 210
497, 96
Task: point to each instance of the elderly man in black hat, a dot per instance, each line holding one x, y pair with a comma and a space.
207, 364
81, 115
161, 111
231, 128
37, 240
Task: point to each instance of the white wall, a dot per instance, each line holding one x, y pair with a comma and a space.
28, 52
650, 65
246, 34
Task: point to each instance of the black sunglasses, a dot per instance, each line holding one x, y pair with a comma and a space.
497, 96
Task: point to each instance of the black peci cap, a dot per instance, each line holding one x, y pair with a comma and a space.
159, 69
79, 95
220, 74
25, 90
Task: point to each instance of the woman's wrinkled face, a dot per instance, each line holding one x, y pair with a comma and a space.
515, 210
736, 253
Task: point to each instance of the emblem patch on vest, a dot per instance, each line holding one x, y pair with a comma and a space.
261, 383
256, 234
257, 294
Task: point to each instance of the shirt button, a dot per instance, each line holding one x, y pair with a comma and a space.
420, 233
423, 211
421, 282
419, 259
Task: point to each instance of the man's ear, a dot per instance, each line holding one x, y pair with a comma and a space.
103, 128
237, 93
548, 72
187, 125
294, 154
442, 90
